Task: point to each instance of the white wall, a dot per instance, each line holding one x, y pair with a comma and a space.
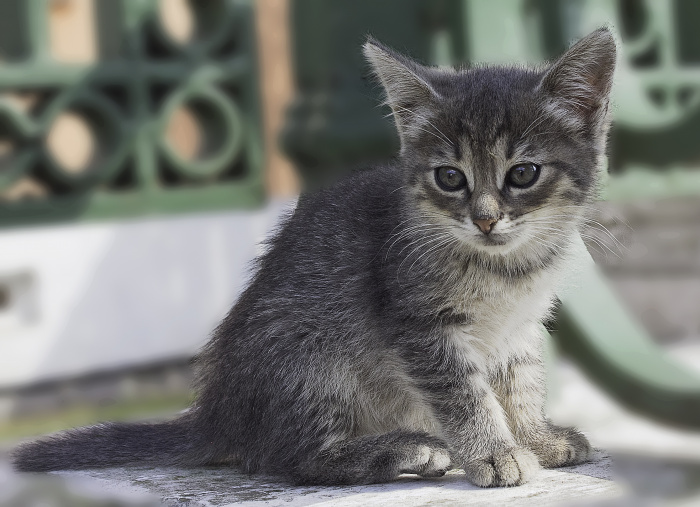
96, 296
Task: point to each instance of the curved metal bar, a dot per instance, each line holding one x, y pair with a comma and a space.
110, 132
597, 333
219, 116
212, 29
23, 130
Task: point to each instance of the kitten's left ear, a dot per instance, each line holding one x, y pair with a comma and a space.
581, 79
405, 81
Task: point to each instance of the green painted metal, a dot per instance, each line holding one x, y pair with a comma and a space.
333, 125
657, 85
127, 98
594, 329
224, 135
637, 183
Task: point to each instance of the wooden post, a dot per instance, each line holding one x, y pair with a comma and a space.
277, 90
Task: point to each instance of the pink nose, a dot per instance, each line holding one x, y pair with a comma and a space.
485, 224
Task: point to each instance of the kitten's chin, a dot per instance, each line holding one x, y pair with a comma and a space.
494, 244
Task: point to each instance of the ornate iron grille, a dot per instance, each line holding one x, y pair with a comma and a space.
127, 100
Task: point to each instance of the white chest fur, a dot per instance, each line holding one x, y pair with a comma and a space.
505, 316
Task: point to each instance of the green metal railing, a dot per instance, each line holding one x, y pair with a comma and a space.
127, 98
595, 330
334, 123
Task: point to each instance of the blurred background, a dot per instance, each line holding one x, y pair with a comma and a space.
147, 147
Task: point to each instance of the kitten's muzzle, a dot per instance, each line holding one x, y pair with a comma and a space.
485, 224
485, 212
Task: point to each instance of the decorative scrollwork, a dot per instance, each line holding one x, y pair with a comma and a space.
111, 141
125, 102
654, 89
221, 126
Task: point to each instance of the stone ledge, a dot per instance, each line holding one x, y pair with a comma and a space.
224, 486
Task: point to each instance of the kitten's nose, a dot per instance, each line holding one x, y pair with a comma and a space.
485, 224
485, 212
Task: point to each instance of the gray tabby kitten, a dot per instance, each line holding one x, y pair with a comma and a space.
393, 326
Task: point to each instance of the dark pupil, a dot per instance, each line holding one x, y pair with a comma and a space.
451, 177
523, 174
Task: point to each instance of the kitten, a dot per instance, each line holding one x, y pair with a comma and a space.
394, 324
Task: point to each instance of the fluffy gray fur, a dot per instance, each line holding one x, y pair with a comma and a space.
383, 332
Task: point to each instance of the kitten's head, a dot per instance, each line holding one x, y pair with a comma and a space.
505, 157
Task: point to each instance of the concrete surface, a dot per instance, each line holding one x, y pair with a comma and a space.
223, 486
651, 464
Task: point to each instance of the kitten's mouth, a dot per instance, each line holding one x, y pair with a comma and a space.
492, 243
494, 239
498, 243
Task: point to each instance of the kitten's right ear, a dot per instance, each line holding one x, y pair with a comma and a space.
582, 78
404, 80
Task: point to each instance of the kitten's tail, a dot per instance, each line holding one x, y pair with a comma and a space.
114, 444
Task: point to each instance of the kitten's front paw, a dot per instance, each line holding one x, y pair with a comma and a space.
562, 447
428, 461
507, 467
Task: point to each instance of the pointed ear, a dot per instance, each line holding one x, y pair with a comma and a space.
404, 80
581, 80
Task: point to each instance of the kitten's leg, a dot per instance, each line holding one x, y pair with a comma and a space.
377, 458
477, 429
471, 418
521, 388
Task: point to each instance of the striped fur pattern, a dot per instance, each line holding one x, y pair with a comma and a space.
383, 332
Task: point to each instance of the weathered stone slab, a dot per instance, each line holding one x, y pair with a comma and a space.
225, 486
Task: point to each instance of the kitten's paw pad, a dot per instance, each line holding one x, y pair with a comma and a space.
428, 461
507, 467
563, 447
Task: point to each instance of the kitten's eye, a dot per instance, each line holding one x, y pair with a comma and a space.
523, 175
450, 179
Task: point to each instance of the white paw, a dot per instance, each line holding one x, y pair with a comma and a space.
428, 462
507, 467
